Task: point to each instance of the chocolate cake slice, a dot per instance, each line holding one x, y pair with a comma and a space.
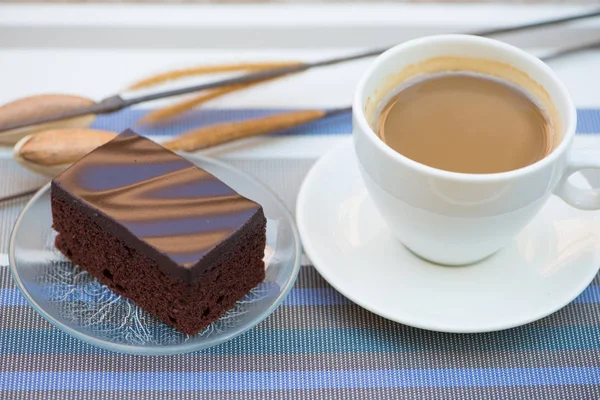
160, 231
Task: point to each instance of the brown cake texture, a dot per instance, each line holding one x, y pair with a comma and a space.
160, 231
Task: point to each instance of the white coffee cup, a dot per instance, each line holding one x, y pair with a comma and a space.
457, 218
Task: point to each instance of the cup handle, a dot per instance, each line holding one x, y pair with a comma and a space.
584, 199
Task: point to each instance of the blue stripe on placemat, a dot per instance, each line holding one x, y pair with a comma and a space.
590, 295
400, 339
315, 297
334, 125
298, 379
588, 120
297, 297
341, 124
12, 297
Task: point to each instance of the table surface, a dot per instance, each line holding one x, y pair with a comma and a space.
317, 345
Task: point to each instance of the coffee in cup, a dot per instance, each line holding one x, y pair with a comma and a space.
466, 122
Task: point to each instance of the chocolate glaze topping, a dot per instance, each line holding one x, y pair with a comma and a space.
161, 203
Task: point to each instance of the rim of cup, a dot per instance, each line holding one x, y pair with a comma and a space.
359, 115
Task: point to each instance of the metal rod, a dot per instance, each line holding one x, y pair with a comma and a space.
569, 50
548, 22
19, 194
337, 60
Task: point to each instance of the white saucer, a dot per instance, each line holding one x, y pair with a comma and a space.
549, 264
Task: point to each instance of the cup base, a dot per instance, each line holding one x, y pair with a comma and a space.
445, 263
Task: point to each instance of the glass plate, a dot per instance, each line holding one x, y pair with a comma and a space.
78, 304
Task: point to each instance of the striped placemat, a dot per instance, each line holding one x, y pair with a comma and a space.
318, 344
